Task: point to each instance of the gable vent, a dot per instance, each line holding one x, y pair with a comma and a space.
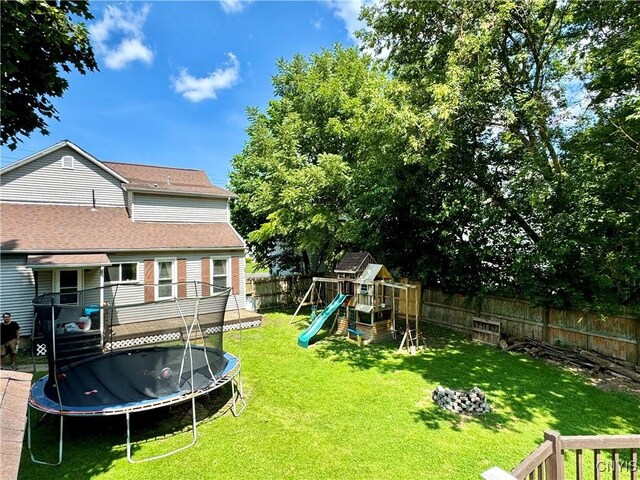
67, 162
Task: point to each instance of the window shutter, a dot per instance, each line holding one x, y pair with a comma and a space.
149, 277
206, 276
235, 275
182, 278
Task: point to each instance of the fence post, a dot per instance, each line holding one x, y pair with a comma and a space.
555, 463
545, 323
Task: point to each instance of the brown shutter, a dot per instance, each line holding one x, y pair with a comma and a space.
182, 278
206, 276
149, 277
235, 275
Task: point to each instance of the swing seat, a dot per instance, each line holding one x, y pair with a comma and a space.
353, 330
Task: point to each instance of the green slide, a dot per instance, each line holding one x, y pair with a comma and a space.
309, 333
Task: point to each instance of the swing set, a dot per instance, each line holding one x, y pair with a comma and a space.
377, 309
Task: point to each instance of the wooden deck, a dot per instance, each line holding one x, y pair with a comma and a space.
547, 462
171, 325
14, 392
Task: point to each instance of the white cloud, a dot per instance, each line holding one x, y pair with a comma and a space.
348, 11
127, 25
234, 6
197, 89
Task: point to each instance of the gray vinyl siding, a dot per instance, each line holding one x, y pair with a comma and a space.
170, 208
45, 281
45, 181
91, 283
17, 291
131, 297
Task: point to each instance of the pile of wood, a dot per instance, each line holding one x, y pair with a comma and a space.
592, 361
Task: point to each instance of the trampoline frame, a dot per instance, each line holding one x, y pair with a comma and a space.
229, 375
233, 376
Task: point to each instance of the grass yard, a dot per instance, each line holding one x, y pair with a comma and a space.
339, 411
253, 267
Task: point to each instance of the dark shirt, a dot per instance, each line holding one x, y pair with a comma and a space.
8, 332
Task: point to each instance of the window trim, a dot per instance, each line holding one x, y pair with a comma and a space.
174, 276
79, 282
120, 281
228, 269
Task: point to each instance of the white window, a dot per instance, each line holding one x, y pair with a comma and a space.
220, 272
67, 162
121, 273
166, 273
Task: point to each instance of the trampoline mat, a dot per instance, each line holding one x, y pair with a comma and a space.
138, 375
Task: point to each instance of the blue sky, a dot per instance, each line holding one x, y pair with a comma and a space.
176, 78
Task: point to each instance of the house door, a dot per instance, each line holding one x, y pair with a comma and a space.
68, 282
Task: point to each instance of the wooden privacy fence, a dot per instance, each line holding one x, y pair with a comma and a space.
547, 462
614, 335
270, 292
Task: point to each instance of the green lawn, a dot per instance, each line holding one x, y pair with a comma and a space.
253, 267
339, 411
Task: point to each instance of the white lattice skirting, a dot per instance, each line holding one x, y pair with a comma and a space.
41, 348
150, 339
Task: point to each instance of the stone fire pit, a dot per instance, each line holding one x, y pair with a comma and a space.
472, 402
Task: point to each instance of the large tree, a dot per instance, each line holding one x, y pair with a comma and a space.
39, 39
300, 172
530, 110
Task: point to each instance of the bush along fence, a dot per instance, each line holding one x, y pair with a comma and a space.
272, 292
616, 336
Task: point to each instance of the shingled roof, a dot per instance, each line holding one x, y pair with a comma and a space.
167, 179
354, 262
29, 228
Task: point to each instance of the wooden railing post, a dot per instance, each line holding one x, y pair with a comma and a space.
555, 463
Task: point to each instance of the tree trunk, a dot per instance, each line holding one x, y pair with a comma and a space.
306, 263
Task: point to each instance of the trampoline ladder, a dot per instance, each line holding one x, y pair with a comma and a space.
191, 444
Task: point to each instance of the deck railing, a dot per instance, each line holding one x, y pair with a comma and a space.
547, 462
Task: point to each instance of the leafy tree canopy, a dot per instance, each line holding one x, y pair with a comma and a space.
298, 172
534, 107
38, 39
498, 151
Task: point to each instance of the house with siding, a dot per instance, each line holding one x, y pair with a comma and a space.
70, 222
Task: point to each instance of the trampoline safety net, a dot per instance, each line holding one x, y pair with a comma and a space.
75, 327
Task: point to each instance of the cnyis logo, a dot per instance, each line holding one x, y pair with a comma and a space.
619, 466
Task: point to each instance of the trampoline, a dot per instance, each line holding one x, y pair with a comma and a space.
114, 381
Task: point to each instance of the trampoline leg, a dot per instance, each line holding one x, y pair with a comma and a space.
237, 392
60, 444
193, 440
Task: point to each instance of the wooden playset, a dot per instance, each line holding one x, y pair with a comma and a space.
375, 307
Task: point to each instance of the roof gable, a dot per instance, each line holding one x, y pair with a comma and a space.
375, 271
58, 146
354, 262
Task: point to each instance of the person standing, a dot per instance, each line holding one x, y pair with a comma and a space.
9, 335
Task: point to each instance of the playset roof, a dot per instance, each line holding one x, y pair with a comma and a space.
354, 262
374, 271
